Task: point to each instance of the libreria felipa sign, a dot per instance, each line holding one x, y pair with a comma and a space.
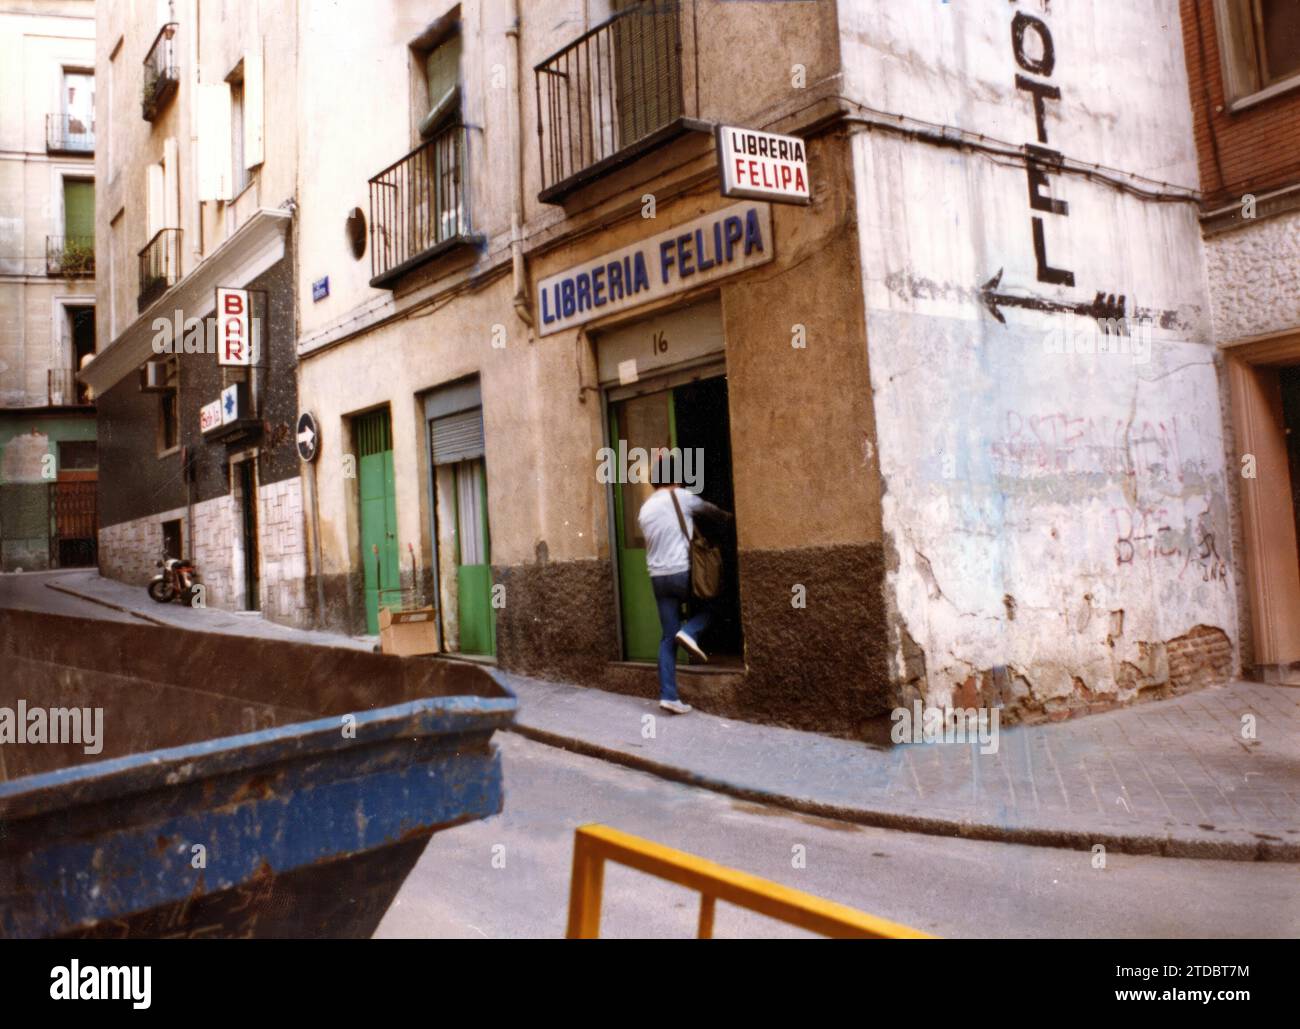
681, 258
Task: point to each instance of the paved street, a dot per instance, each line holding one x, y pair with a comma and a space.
949, 887
28, 591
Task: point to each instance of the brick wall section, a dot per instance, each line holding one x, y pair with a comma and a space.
283, 553
217, 554
130, 551
1255, 150
1252, 151
1199, 657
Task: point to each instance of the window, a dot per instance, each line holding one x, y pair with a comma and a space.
77, 118
79, 455
439, 91
1260, 41
79, 213
169, 410
230, 140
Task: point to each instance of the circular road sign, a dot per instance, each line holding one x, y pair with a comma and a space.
308, 437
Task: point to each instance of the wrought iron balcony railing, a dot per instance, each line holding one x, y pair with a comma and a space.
161, 76
160, 266
418, 207
66, 391
609, 95
70, 257
69, 134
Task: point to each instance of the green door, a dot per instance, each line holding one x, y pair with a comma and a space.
476, 617
377, 488
646, 422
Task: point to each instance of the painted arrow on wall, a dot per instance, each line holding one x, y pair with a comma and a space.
1102, 306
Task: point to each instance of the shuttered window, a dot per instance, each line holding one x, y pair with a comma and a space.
78, 209
646, 67
458, 437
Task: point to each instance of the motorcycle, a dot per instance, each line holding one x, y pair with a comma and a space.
176, 580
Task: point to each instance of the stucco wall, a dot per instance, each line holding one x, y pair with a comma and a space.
1056, 520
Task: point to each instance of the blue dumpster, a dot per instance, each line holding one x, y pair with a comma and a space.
234, 787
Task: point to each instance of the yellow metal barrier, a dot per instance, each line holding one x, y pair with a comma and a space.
593, 845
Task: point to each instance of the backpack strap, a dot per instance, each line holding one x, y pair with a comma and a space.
672, 492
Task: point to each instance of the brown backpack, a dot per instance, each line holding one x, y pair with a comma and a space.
706, 559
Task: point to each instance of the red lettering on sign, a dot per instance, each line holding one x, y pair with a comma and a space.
234, 303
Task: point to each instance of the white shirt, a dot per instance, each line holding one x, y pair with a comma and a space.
666, 552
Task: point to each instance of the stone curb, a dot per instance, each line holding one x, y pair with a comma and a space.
1223, 846
108, 604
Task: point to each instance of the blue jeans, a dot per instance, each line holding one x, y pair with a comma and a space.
671, 591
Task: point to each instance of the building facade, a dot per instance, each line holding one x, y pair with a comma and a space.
965, 404
972, 399
47, 284
1243, 61
197, 184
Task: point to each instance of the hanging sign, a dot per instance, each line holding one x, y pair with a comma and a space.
763, 165
234, 327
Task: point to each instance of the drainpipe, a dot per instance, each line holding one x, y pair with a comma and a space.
193, 13
520, 298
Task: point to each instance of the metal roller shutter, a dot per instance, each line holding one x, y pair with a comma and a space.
458, 437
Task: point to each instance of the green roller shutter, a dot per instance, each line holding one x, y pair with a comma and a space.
78, 209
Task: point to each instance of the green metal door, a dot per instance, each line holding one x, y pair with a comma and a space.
378, 494
646, 422
475, 615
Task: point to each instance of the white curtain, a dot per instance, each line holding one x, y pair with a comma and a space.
469, 504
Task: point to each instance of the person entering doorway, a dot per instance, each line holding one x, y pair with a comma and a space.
667, 522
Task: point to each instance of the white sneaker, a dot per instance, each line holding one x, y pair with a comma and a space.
689, 643
675, 706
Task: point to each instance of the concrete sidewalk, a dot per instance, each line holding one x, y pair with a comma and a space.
1172, 777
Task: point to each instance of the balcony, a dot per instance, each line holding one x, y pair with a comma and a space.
70, 257
65, 391
160, 75
419, 208
610, 96
69, 134
160, 266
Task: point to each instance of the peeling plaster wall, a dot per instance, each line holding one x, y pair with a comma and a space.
1059, 516
1055, 514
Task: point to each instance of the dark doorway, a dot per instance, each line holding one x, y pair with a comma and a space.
248, 511
172, 539
703, 422
82, 323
